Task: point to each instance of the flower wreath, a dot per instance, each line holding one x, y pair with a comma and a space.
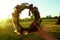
18, 10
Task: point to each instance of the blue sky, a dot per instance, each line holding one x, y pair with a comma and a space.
46, 7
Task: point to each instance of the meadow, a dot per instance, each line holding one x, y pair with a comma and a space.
48, 25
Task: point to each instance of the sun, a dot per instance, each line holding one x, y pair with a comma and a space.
6, 9
2, 16
5, 13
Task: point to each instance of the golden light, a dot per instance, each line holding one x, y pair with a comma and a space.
5, 12
6, 9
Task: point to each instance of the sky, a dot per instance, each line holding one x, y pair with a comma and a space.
45, 7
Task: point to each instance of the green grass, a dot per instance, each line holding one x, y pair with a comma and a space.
25, 24
7, 30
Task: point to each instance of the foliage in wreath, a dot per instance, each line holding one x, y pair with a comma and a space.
18, 10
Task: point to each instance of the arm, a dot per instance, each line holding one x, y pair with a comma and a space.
44, 34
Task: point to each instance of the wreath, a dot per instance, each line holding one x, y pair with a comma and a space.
18, 10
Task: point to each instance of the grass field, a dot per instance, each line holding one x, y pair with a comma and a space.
48, 25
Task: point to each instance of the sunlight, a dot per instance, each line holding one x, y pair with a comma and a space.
2, 23
4, 14
6, 11
6, 7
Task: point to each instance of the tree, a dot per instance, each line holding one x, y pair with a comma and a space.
55, 17
58, 22
49, 16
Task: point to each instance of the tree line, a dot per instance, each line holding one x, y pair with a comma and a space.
50, 17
